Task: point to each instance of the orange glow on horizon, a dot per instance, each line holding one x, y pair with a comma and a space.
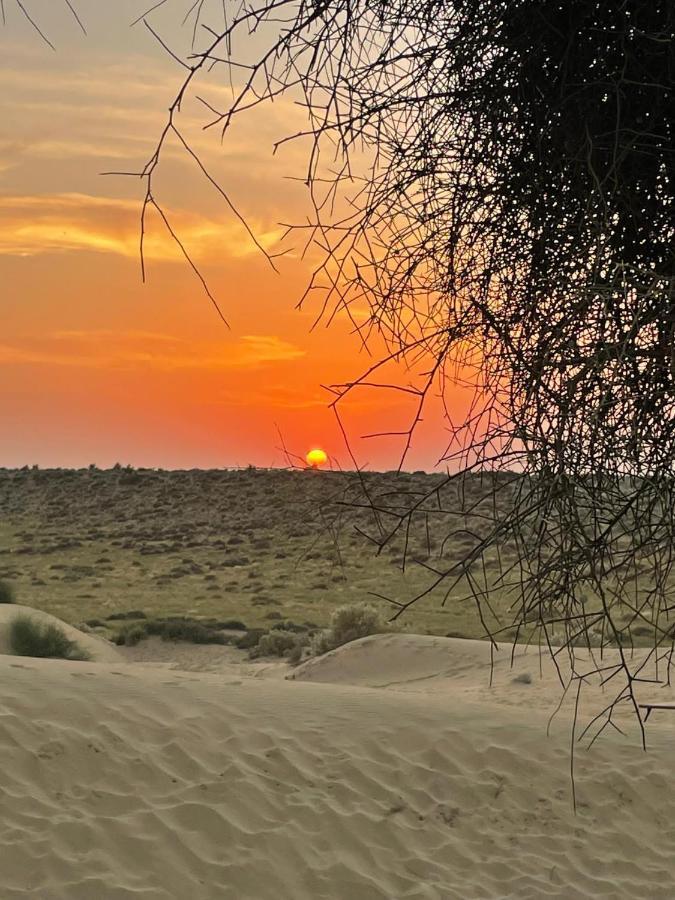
100, 366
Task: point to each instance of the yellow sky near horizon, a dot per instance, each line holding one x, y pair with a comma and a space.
95, 366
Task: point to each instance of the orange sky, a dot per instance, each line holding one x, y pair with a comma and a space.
96, 367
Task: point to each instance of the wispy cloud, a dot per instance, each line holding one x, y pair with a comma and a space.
103, 349
273, 397
54, 223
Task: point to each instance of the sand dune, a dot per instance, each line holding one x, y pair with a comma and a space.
139, 782
472, 671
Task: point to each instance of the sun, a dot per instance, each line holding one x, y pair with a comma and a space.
316, 458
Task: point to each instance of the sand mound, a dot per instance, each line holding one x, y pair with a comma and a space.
524, 676
128, 783
99, 650
397, 660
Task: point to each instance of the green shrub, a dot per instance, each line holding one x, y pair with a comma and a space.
643, 631
289, 626
274, 643
187, 630
297, 651
6, 592
250, 639
173, 628
232, 625
124, 616
348, 623
131, 635
27, 637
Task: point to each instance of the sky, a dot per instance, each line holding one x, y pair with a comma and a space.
97, 367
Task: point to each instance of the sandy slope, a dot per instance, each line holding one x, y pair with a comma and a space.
139, 782
470, 670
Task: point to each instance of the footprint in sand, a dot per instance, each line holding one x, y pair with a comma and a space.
51, 750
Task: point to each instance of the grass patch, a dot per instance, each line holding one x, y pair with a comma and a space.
28, 637
6, 592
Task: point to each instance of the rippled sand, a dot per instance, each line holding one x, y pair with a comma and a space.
389, 769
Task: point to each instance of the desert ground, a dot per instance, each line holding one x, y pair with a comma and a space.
252, 544
402, 765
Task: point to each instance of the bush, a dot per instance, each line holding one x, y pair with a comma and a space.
289, 626
348, 623
27, 637
274, 643
173, 628
250, 639
233, 625
130, 636
6, 592
124, 616
185, 630
297, 652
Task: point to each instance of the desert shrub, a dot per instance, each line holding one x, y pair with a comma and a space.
643, 631
236, 561
130, 635
192, 632
348, 623
287, 625
6, 592
27, 637
297, 651
274, 643
250, 639
173, 628
184, 629
123, 616
231, 625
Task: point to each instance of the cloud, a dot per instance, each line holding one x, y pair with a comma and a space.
116, 108
102, 349
61, 223
273, 397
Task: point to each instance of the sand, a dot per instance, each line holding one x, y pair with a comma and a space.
388, 769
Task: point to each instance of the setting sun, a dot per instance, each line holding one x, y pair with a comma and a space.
316, 458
